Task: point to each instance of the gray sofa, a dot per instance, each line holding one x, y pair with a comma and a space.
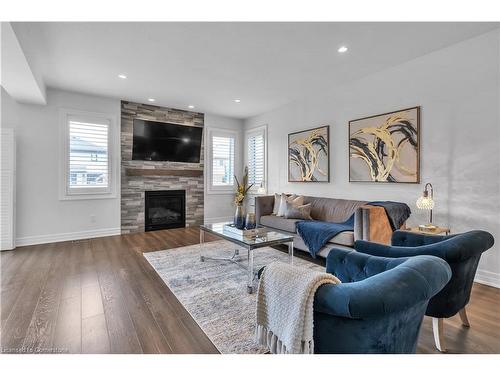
370, 222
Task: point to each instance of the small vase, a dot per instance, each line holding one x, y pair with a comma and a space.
239, 217
250, 221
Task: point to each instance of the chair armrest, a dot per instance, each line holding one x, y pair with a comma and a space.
332, 299
358, 300
381, 250
388, 251
411, 281
263, 206
372, 224
455, 248
407, 239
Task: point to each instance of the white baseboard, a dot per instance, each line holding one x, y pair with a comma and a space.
212, 220
488, 278
59, 237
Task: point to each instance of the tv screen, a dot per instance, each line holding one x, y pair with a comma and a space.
162, 141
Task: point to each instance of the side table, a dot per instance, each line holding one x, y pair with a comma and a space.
437, 231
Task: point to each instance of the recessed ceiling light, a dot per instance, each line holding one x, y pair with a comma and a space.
342, 49
237, 100
122, 76
151, 100
190, 106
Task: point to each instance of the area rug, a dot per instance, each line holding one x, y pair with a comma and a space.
214, 292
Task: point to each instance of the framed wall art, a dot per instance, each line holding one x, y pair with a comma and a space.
308, 155
386, 147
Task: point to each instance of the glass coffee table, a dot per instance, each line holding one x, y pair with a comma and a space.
250, 244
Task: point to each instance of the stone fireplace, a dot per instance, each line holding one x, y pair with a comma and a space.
144, 178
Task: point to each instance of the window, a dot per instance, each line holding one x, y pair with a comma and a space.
256, 157
88, 155
221, 160
86, 161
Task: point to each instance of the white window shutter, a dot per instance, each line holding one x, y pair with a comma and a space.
222, 161
7, 189
256, 158
88, 155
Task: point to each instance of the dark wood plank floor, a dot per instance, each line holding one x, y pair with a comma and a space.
102, 296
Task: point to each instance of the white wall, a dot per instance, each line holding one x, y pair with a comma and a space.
41, 216
18, 77
219, 206
458, 90
10, 117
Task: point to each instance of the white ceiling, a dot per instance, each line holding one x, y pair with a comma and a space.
210, 64
17, 77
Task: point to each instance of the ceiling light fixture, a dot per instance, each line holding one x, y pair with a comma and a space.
191, 106
151, 100
342, 49
122, 76
237, 100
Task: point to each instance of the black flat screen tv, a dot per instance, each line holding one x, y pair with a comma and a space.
163, 141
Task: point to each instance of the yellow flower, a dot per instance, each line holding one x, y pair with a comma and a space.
238, 198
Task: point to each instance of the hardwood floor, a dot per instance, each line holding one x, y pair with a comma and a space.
102, 296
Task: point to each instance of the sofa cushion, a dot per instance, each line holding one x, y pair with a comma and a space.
278, 222
277, 202
331, 209
299, 244
343, 238
288, 225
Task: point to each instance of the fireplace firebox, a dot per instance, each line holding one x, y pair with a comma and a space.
165, 209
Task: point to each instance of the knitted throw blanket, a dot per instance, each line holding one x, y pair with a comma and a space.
285, 307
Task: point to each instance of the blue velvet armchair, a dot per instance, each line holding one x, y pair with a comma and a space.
461, 251
380, 304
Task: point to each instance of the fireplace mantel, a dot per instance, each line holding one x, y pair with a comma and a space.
163, 172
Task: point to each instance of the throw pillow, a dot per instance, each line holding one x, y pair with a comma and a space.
277, 201
281, 208
296, 200
298, 212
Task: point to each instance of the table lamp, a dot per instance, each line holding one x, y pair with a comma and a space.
261, 189
426, 202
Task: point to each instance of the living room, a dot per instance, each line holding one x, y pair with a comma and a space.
250, 188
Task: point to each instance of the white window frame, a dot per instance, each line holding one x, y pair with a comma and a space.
248, 133
216, 132
65, 193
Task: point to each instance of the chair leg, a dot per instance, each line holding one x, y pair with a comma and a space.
438, 329
463, 316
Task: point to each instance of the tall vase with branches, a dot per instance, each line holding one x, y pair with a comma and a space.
239, 197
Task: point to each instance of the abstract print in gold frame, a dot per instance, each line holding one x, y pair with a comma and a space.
308, 155
386, 147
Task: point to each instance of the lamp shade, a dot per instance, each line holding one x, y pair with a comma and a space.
425, 203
